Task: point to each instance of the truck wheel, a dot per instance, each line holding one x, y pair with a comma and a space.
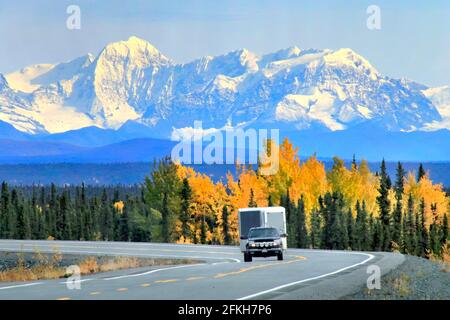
247, 257
280, 256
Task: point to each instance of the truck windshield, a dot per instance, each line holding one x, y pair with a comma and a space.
263, 232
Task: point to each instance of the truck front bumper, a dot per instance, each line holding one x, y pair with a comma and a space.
264, 252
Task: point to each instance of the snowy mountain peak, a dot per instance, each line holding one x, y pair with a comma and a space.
138, 51
21, 80
346, 57
292, 88
249, 59
242, 57
287, 53
292, 51
123, 75
440, 97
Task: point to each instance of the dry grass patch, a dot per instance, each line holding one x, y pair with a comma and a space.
402, 285
51, 266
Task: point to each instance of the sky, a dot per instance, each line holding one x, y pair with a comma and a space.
413, 42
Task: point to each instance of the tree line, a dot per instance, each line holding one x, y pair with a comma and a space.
343, 208
74, 213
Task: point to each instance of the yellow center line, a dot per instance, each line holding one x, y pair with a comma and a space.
166, 281
63, 298
194, 278
122, 289
242, 270
145, 285
94, 293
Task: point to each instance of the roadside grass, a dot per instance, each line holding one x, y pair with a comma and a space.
443, 260
51, 266
402, 285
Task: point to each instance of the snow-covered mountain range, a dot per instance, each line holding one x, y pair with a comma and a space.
131, 83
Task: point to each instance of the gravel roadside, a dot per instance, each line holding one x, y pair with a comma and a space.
415, 279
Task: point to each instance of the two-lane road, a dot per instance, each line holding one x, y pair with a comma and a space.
304, 274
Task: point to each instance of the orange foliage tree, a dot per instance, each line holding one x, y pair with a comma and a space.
432, 194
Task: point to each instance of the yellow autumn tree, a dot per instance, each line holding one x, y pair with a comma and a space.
208, 199
355, 184
431, 193
288, 172
248, 181
311, 183
367, 187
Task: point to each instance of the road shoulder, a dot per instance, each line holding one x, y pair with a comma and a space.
341, 284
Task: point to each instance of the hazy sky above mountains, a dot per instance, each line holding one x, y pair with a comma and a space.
414, 40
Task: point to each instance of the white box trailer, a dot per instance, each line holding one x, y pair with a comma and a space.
261, 217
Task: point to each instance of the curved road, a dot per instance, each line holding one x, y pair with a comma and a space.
304, 274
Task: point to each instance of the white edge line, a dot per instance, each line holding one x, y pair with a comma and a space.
126, 254
123, 254
21, 285
309, 279
75, 281
152, 271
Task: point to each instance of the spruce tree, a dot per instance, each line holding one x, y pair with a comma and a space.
51, 211
124, 222
291, 219
12, 226
28, 233
409, 234
64, 230
4, 211
378, 236
87, 223
351, 234
362, 228
354, 164
203, 231
435, 232
366, 239
225, 226
106, 218
371, 221
384, 205
22, 230
398, 210
301, 233
422, 234
345, 240
34, 216
420, 173
331, 211
252, 203
165, 221
185, 214
444, 231
270, 201
315, 233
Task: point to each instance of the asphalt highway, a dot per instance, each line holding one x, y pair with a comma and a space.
219, 274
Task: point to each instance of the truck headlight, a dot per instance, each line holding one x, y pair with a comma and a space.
252, 245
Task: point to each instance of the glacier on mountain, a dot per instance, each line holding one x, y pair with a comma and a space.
293, 88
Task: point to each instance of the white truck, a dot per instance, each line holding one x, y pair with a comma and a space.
262, 232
